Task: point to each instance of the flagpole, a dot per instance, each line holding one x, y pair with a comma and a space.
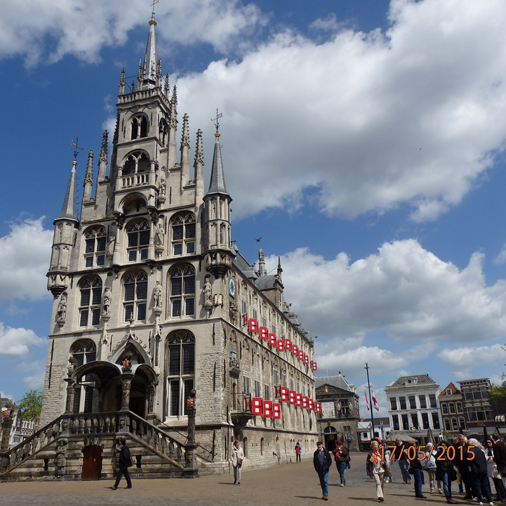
370, 400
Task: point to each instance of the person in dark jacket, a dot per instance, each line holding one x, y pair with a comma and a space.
124, 462
479, 472
499, 453
463, 465
445, 471
322, 462
399, 454
417, 469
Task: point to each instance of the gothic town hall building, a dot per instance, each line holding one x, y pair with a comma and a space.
161, 332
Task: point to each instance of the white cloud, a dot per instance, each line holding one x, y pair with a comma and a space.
24, 260
462, 360
403, 291
501, 257
18, 341
83, 27
329, 23
368, 121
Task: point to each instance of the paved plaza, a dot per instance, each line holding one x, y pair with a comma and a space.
288, 484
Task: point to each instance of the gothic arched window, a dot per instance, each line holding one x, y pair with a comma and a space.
136, 295
139, 127
138, 241
183, 234
181, 371
94, 255
182, 292
84, 352
91, 299
137, 161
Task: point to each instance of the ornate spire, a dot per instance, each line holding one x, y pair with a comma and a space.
122, 82
102, 163
185, 137
173, 109
69, 209
150, 58
140, 73
88, 178
166, 87
217, 184
199, 152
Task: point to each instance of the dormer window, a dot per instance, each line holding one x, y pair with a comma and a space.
449, 391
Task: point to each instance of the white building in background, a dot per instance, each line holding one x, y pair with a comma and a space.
413, 405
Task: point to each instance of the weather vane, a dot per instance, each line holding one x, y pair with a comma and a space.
218, 116
76, 148
153, 6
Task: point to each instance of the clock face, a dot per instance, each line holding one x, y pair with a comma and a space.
231, 287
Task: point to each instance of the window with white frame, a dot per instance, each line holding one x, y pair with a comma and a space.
136, 295
95, 239
183, 234
181, 371
182, 291
91, 299
138, 241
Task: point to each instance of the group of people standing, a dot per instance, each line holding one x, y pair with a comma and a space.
472, 462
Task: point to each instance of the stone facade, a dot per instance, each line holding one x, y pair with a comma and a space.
452, 412
478, 409
340, 412
153, 299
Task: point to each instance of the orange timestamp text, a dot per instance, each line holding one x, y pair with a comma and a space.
419, 454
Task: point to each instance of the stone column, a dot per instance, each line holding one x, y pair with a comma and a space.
126, 385
191, 443
151, 401
69, 406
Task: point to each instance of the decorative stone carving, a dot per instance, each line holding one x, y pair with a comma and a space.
111, 242
61, 312
208, 294
162, 191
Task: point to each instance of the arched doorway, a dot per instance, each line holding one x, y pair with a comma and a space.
330, 435
92, 463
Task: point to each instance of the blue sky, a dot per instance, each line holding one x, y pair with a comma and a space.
364, 141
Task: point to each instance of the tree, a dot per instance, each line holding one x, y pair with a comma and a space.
30, 405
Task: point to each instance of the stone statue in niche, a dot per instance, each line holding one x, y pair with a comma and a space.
163, 190
106, 302
157, 295
61, 312
208, 293
159, 238
111, 241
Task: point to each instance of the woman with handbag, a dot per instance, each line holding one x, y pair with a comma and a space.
445, 471
341, 456
237, 458
375, 467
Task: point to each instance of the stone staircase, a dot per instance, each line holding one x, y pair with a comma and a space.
57, 451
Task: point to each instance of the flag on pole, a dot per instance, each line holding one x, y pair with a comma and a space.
374, 401
366, 399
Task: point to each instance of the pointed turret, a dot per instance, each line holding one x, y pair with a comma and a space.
217, 183
217, 202
150, 59
172, 129
69, 209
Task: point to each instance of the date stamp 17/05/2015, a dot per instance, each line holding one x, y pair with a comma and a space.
413, 453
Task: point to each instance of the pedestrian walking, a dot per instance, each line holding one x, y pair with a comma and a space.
445, 471
493, 471
375, 467
416, 469
400, 455
322, 462
461, 448
341, 456
430, 467
499, 453
298, 451
479, 472
125, 461
237, 459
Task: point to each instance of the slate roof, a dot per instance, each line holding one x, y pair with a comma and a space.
335, 381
